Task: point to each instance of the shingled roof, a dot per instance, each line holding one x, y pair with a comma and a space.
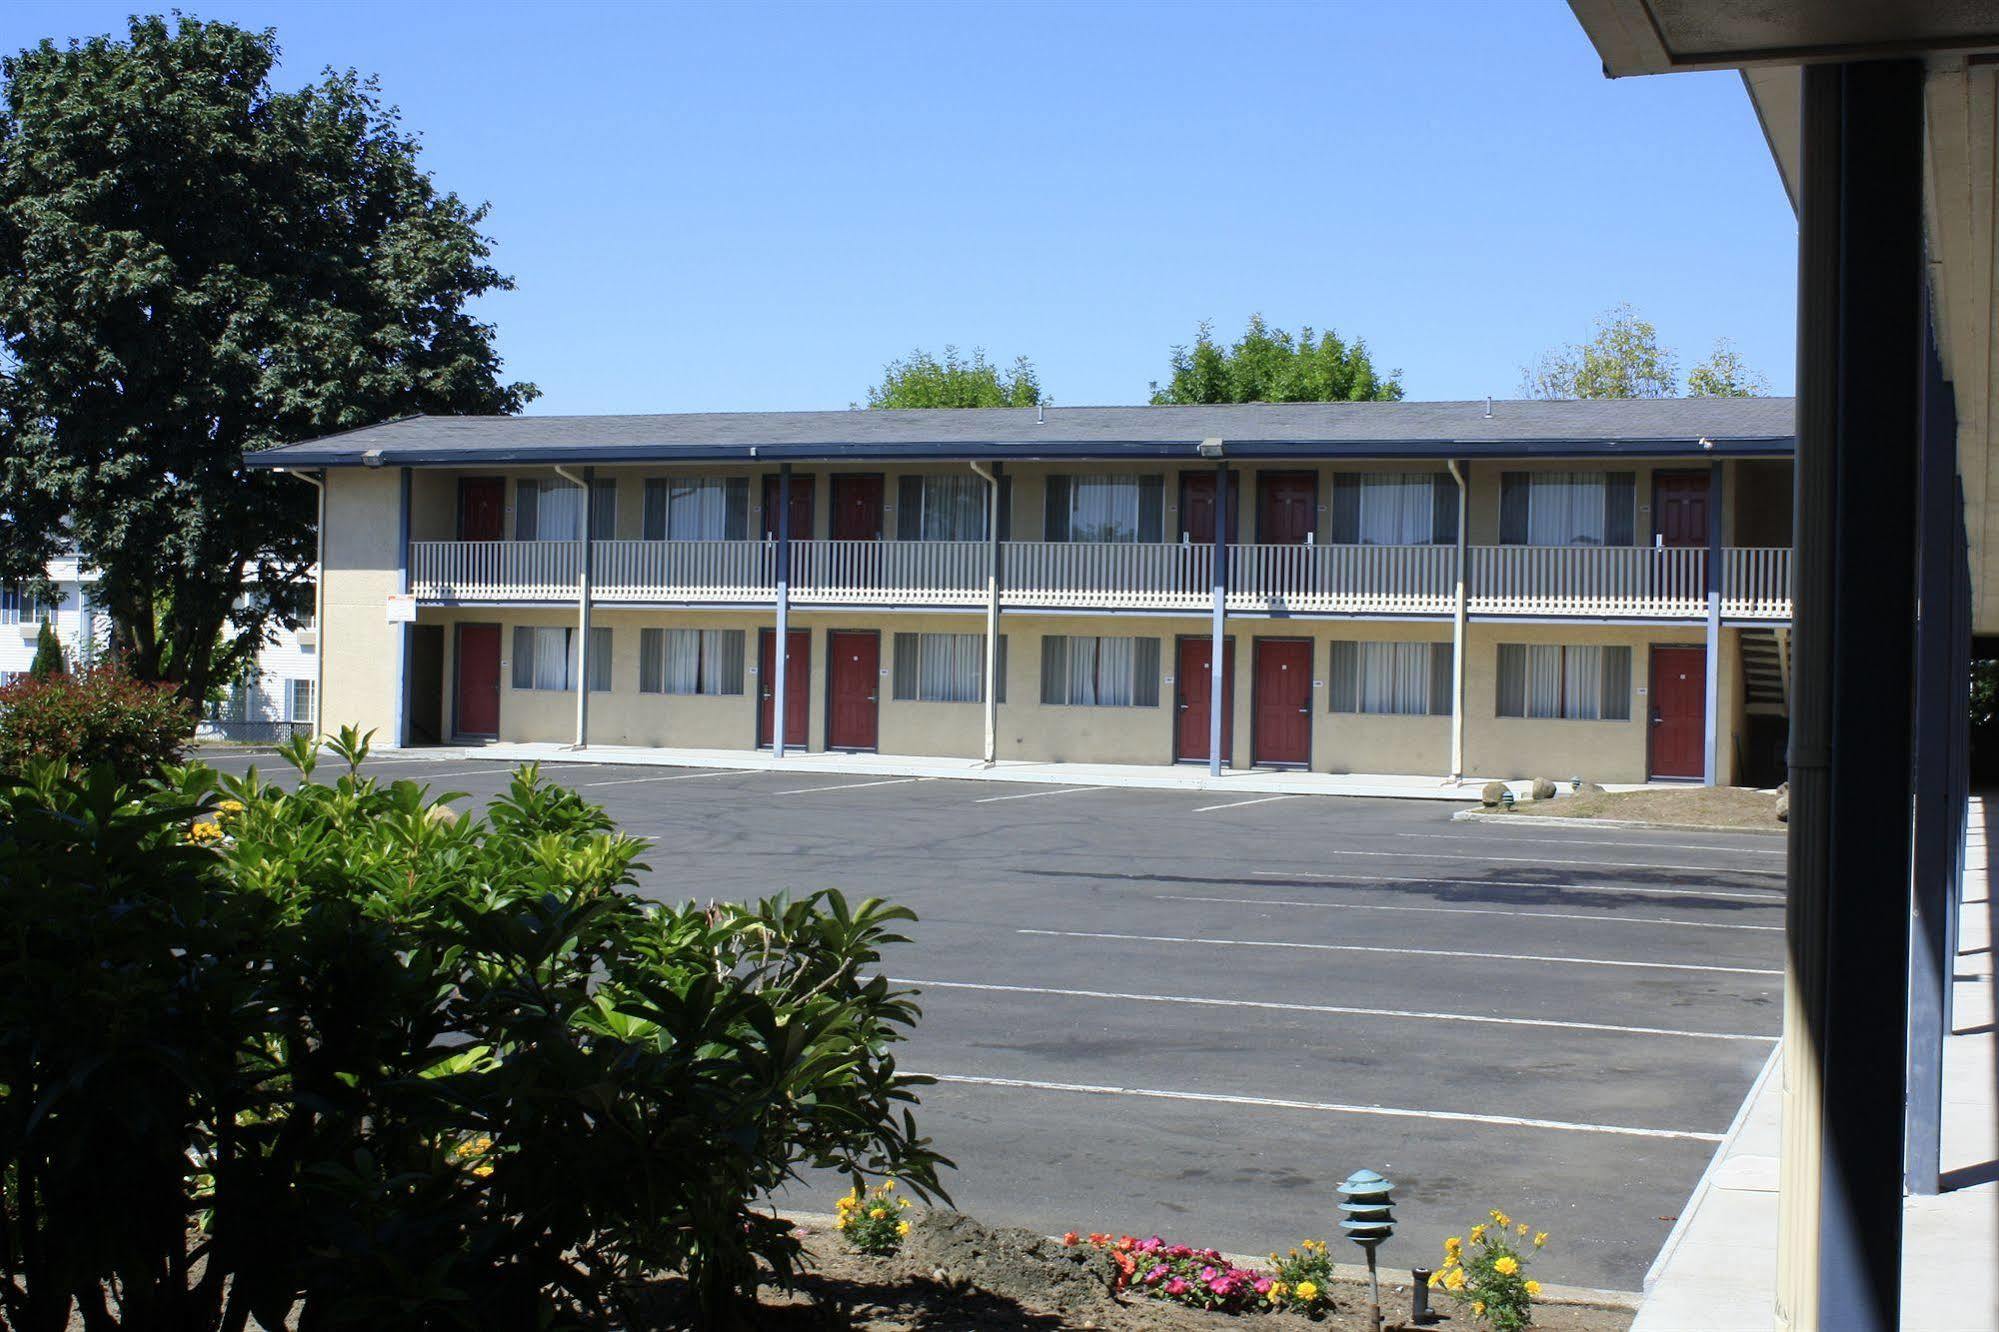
1633, 427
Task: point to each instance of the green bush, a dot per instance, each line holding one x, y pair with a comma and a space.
327, 1056
48, 653
99, 717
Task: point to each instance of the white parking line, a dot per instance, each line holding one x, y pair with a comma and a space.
1340, 1009
1029, 795
1551, 860
1264, 800
1407, 952
1586, 840
1766, 896
851, 786
675, 777
1474, 911
1326, 1107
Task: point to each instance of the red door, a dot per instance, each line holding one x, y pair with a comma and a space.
482, 509
1197, 508
478, 710
857, 508
801, 508
1679, 508
1287, 507
1283, 703
797, 686
1679, 711
853, 684
1193, 692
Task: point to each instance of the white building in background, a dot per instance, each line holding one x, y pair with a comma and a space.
273, 699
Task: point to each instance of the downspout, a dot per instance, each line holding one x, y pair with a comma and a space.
993, 550
318, 483
583, 483
1458, 618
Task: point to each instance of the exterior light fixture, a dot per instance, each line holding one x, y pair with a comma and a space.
373, 457
1211, 448
1369, 1222
1506, 798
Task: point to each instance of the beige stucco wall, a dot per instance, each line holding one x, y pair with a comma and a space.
363, 507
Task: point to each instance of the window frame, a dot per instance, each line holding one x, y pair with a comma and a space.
1561, 714
700, 661
1141, 682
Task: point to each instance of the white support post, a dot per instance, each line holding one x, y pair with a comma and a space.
399, 641
993, 555
584, 483
781, 648
1458, 626
1217, 666
1711, 764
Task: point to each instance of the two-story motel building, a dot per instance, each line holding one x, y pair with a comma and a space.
1564, 589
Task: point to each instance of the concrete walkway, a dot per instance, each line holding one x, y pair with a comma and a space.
1718, 1269
1180, 777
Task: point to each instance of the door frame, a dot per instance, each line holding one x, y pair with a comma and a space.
767, 528
457, 668
458, 521
1231, 524
1707, 483
833, 487
1256, 643
1264, 477
1228, 694
758, 740
826, 723
1651, 695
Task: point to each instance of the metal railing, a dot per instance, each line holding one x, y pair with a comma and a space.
1596, 581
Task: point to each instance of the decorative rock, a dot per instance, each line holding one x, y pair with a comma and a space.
1491, 794
1543, 789
1784, 807
1589, 789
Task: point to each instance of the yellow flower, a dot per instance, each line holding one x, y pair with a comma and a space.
1278, 1290
1478, 1232
483, 1169
1521, 1228
1540, 1239
902, 1202
1308, 1291
888, 1186
204, 831
1506, 1265
902, 1227
1436, 1279
1501, 1219
1478, 1308
878, 1212
1454, 1244
1454, 1280
1532, 1287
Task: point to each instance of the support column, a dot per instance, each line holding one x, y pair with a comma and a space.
1860, 262
399, 639
583, 592
781, 648
1711, 763
1459, 618
1218, 667
995, 570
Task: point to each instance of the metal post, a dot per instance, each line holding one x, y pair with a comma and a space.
1860, 259
781, 649
399, 641
993, 574
1217, 667
585, 483
1459, 619
1711, 761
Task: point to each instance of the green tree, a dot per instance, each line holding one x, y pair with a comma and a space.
48, 654
194, 264
1623, 360
1724, 374
1271, 365
921, 380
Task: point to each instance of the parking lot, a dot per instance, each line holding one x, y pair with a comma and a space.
1193, 1014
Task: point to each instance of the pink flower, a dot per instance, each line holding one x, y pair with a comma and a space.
1263, 1285
1152, 1278
1208, 1274
1221, 1285
1176, 1287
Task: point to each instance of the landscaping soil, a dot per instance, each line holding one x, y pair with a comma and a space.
1690, 807
956, 1275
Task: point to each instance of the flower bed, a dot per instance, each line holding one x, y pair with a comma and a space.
1203, 1279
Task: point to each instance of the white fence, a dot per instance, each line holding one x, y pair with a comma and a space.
1607, 582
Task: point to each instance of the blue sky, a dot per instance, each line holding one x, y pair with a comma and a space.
746, 206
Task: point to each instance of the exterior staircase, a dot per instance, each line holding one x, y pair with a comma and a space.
1766, 672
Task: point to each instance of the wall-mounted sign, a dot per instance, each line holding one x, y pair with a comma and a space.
402, 608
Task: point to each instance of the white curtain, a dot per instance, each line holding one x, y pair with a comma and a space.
1082, 671
558, 512
1395, 677
1103, 508
1544, 681
552, 658
683, 661
951, 668
1397, 510
697, 509
1116, 658
1583, 683
954, 509
1565, 509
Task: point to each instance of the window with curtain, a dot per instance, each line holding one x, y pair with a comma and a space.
1396, 679
942, 508
697, 508
1105, 508
553, 510
690, 661
17, 607
944, 668
1086, 672
545, 658
1567, 508
1569, 682
1388, 509
301, 701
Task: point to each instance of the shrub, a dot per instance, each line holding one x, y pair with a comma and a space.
48, 653
1491, 1280
98, 717
873, 1222
1303, 1277
323, 1059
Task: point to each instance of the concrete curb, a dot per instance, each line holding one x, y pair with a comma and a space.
1558, 821
1722, 1151
1585, 1296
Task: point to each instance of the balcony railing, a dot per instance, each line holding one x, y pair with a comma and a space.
1628, 582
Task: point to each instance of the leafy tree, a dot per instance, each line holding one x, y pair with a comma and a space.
194, 264
921, 380
1623, 360
1724, 375
1271, 365
48, 660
